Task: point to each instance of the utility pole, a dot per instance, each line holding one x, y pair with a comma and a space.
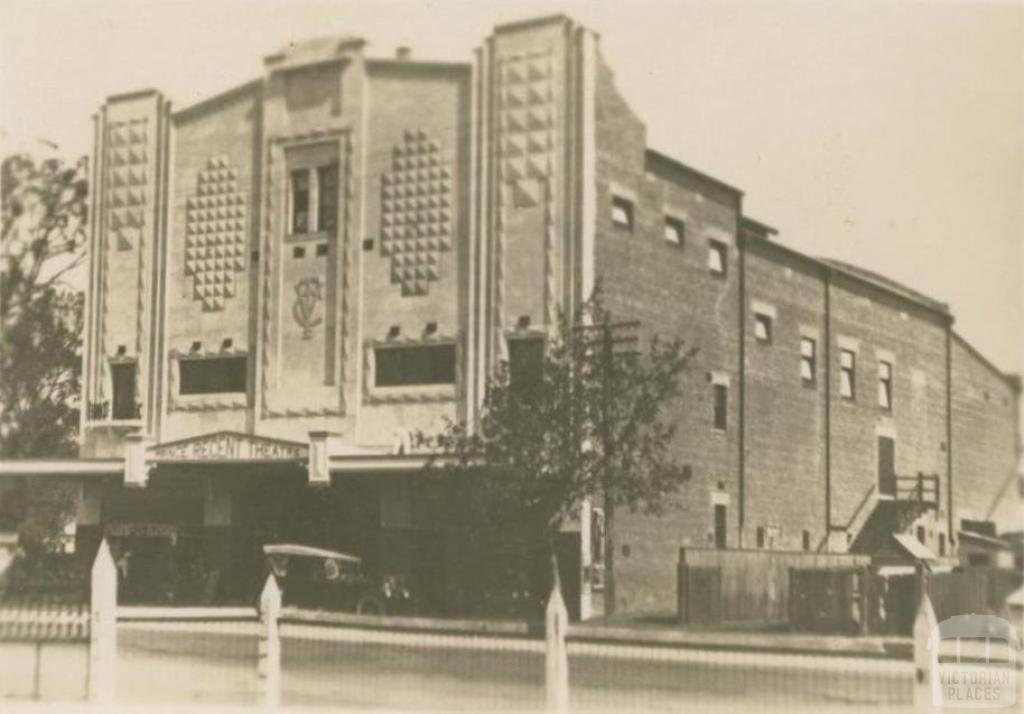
608, 340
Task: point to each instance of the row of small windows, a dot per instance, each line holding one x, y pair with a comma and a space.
808, 370
426, 365
623, 216
395, 366
299, 251
763, 325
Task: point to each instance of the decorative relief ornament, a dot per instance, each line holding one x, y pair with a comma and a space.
126, 181
215, 222
308, 294
416, 212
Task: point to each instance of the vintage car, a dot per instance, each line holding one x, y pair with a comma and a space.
318, 578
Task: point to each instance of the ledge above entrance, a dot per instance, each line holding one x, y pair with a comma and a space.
324, 455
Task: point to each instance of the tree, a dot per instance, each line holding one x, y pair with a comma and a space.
587, 421
42, 243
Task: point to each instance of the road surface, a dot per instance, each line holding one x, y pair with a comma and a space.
216, 663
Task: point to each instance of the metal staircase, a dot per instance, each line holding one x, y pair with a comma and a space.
893, 512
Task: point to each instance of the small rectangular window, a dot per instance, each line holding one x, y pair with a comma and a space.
807, 540
717, 253
720, 526
622, 212
526, 361
321, 250
847, 374
122, 378
675, 231
418, 365
300, 201
921, 536
327, 180
808, 359
885, 385
212, 375
721, 395
763, 328
942, 544
760, 536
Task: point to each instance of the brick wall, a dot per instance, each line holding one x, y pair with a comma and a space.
878, 326
785, 469
986, 441
671, 291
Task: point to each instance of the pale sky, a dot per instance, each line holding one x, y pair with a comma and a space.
889, 134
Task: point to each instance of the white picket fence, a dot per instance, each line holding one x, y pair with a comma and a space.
596, 653
268, 619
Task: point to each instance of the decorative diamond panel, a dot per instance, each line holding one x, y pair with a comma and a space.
526, 130
215, 234
126, 181
416, 222
527, 126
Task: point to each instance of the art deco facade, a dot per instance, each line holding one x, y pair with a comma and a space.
289, 278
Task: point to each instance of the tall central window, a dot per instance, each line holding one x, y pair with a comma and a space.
327, 216
313, 189
300, 201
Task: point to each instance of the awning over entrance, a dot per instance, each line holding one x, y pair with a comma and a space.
323, 455
914, 548
62, 467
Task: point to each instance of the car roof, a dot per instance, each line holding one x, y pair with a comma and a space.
307, 551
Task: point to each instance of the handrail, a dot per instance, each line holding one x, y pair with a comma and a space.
923, 488
860, 507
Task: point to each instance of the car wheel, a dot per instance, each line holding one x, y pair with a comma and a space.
369, 605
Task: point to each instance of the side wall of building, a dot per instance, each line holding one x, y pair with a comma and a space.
671, 290
785, 468
879, 327
986, 441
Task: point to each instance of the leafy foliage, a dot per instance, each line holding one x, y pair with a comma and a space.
583, 422
44, 214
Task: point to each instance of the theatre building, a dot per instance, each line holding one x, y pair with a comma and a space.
290, 278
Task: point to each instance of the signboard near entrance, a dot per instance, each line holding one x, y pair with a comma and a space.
228, 446
147, 530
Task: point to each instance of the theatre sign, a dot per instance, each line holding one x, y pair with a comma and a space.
227, 446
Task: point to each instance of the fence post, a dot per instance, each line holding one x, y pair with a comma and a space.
924, 625
102, 626
556, 653
270, 642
